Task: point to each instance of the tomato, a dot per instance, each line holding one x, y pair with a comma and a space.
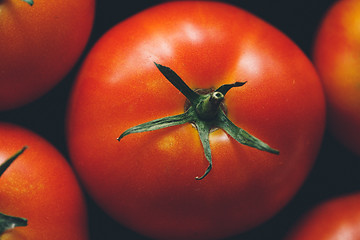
39, 44
335, 219
41, 187
337, 59
148, 181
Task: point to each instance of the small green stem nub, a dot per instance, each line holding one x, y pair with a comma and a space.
205, 113
9, 222
30, 2
208, 107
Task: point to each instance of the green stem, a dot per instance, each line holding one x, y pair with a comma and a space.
205, 113
9, 222
208, 107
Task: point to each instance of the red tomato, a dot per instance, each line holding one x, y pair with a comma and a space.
147, 181
336, 219
337, 58
39, 44
41, 187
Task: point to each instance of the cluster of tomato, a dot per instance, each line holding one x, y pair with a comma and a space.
199, 86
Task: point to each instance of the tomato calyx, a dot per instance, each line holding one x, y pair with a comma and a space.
9, 222
30, 2
205, 113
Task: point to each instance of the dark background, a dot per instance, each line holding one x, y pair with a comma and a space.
335, 173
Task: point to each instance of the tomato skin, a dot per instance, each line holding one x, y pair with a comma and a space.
41, 187
335, 219
147, 181
337, 59
39, 45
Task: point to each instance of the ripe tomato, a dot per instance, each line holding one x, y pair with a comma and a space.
337, 58
38, 45
147, 181
41, 187
335, 219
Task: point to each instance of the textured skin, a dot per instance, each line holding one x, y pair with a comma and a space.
147, 181
41, 187
336, 219
39, 45
337, 59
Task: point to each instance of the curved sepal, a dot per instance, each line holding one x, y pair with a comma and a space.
159, 124
30, 2
241, 135
9, 222
226, 87
9, 161
204, 130
175, 80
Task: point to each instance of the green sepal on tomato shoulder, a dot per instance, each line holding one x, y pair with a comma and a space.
9, 222
30, 2
205, 113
